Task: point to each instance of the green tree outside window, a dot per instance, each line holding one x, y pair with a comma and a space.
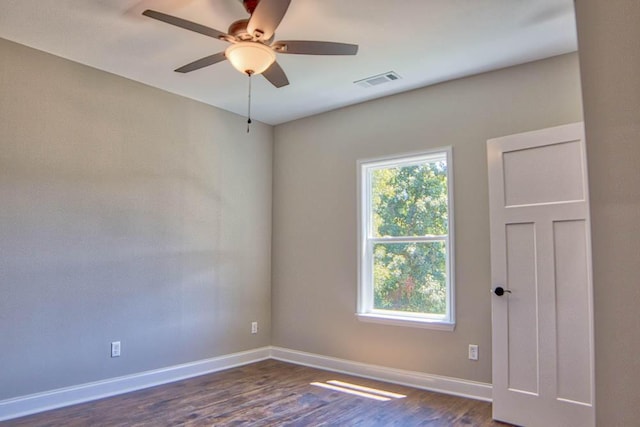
410, 201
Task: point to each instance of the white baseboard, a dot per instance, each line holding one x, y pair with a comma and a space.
39, 402
437, 383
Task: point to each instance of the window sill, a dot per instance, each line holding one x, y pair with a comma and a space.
406, 321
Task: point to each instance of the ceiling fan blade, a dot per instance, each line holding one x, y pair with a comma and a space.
266, 17
304, 47
187, 25
202, 62
276, 76
141, 5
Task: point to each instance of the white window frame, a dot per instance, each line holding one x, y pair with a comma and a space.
366, 240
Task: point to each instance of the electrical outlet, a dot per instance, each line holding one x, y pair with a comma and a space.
115, 349
254, 327
473, 352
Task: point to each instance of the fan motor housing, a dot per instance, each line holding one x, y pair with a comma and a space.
238, 30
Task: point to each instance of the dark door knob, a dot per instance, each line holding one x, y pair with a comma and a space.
499, 290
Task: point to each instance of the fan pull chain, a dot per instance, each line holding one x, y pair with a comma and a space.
249, 73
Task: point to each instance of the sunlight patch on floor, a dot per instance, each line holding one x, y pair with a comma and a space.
358, 390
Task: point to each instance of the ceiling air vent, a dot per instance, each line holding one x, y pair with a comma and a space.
378, 79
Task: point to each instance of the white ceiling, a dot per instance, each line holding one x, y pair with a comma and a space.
424, 41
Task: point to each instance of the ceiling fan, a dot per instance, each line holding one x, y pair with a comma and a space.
253, 50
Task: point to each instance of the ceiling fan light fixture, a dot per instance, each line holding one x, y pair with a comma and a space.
250, 57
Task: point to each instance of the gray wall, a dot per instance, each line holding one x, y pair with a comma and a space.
609, 37
314, 229
127, 214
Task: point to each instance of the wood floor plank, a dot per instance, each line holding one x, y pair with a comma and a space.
268, 393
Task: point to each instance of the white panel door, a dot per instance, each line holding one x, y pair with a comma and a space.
542, 317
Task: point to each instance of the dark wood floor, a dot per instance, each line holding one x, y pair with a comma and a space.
268, 393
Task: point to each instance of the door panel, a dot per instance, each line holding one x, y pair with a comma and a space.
543, 174
572, 321
540, 252
522, 339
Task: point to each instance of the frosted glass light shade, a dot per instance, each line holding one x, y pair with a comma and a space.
250, 57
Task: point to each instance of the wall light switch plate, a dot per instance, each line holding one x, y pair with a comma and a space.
115, 349
473, 352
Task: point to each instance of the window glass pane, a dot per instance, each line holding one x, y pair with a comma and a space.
410, 277
410, 200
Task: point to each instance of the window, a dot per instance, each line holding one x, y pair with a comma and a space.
405, 240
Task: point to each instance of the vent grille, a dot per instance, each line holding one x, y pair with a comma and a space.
378, 79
